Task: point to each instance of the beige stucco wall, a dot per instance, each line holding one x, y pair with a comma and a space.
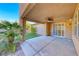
74, 37
68, 29
41, 29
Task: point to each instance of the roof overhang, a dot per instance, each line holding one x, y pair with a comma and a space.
41, 11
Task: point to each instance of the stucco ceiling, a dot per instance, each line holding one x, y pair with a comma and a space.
41, 11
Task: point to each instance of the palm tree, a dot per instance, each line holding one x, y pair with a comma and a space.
11, 31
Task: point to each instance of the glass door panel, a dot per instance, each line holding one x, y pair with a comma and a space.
59, 29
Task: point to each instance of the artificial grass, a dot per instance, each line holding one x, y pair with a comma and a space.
30, 35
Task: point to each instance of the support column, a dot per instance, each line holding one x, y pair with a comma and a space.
48, 28
23, 24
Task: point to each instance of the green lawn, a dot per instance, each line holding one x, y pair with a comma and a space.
30, 35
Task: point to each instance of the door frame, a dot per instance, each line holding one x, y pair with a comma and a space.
55, 29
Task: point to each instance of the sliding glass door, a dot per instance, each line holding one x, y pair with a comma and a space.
59, 29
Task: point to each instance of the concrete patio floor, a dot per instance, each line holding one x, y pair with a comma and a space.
48, 46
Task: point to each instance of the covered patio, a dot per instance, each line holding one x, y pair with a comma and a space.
49, 15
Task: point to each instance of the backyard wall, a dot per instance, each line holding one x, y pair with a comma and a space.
41, 29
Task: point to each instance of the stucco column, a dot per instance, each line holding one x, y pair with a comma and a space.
48, 28
23, 24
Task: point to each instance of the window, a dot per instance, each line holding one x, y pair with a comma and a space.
59, 29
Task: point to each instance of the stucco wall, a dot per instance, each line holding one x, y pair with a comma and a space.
68, 29
41, 29
74, 37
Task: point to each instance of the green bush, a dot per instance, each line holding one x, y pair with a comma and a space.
33, 30
12, 31
3, 46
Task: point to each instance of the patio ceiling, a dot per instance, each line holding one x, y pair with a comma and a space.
41, 11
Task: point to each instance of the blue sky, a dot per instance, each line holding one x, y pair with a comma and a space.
9, 11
